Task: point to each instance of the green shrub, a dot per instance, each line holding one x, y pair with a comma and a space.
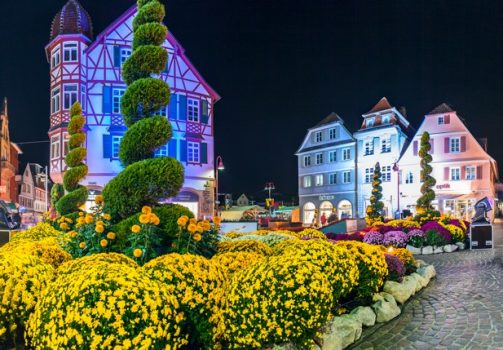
76, 124
143, 62
76, 140
149, 34
75, 157
144, 98
434, 238
143, 138
72, 179
73, 200
143, 183
152, 11
57, 191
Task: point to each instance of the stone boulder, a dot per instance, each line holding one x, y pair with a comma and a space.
449, 248
461, 245
420, 263
341, 332
401, 291
421, 282
427, 250
427, 272
365, 315
413, 250
438, 250
385, 307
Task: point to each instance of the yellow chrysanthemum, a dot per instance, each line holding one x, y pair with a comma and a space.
182, 221
99, 199
73, 234
144, 219
192, 228
146, 209
111, 235
136, 228
103, 243
197, 237
100, 228
89, 219
82, 245
107, 217
64, 226
154, 219
138, 253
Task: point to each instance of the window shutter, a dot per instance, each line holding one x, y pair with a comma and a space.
446, 145
376, 144
173, 101
479, 172
446, 173
182, 110
463, 172
204, 112
447, 119
117, 56
393, 141
183, 150
107, 146
166, 67
415, 147
463, 143
172, 148
107, 99
204, 153
432, 143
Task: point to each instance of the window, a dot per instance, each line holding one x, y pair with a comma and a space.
332, 156
449, 205
307, 181
454, 145
162, 151
193, 110
369, 174
332, 179
193, 152
55, 57
318, 136
346, 154
55, 147
66, 138
116, 142
332, 134
440, 120
307, 161
116, 99
346, 177
386, 119
125, 53
369, 147
386, 173
409, 178
163, 111
318, 179
386, 144
70, 52
56, 101
470, 173
370, 122
70, 93
455, 174
319, 158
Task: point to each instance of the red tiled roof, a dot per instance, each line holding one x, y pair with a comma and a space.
382, 105
72, 19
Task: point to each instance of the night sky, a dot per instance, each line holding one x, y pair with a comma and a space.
281, 66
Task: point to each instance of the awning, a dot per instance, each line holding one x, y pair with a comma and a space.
456, 196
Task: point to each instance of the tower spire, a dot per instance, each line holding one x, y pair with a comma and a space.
5, 109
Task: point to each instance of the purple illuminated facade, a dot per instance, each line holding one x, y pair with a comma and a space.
88, 70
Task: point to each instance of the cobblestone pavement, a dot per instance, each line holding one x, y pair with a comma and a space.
461, 309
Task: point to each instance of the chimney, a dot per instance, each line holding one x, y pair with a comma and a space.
483, 142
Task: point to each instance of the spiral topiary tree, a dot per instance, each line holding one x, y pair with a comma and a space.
374, 210
145, 179
428, 194
76, 194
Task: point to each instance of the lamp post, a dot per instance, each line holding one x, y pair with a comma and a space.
220, 166
397, 170
269, 187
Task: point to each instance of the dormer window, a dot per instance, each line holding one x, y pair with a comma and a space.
370, 122
318, 136
386, 119
332, 134
441, 120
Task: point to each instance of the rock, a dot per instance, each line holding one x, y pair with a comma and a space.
285, 346
421, 282
401, 291
365, 315
385, 307
341, 332
437, 250
427, 272
413, 250
420, 263
427, 250
449, 248
461, 245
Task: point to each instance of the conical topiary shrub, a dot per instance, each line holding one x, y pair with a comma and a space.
145, 179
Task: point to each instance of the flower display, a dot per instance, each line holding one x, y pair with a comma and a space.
415, 238
248, 245
73, 266
395, 238
373, 237
403, 224
106, 306
356, 236
396, 268
196, 237
48, 250
232, 262
282, 299
37, 232
405, 257
311, 233
456, 232
440, 229
143, 238
197, 283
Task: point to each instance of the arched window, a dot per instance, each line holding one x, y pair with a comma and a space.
345, 209
326, 208
308, 215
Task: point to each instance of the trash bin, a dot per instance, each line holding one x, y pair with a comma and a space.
4, 237
481, 236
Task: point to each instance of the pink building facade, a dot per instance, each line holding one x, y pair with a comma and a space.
464, 171
88, 70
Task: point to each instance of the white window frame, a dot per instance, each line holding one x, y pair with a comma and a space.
193, 110
386, 119
455, 173
125, 54
332, 179
369, 174
56, 57
454, 144
441, 120
370, 122
319, 158
318, 136
306, 181
117, 94
346, 154
318, 180
409, 177
193, 152
386, 144
72, 48
56, 100
346, 177
163, 111
386, 173
369, 147
73, 95
471, 173
307, 161
83, 97
116, 143
332, 133
55, 147
332, 156
162, 151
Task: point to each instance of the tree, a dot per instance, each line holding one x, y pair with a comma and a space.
428, 194
374, 210
75, 194
145, 179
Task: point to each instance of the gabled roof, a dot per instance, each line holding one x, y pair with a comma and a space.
332, 117
382, 105
441, 108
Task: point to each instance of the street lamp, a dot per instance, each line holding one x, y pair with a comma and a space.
269, 187
220, 167
397, 170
